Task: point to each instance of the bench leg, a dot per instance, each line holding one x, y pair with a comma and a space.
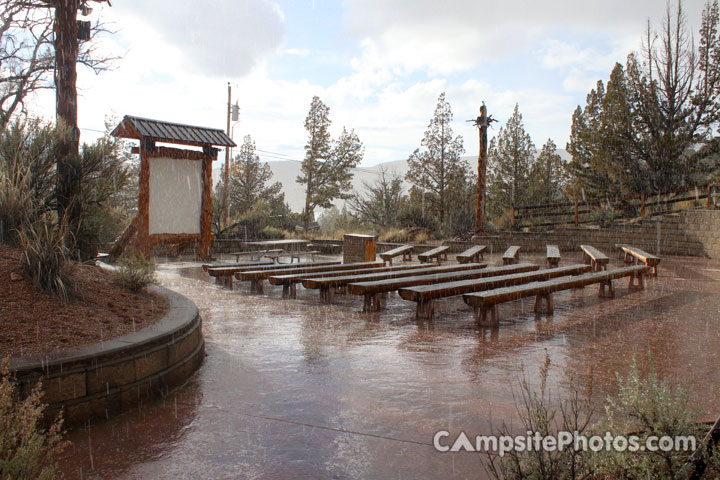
388, 262
289, 291
637, 282
256, 286
372, 302
407, 256
548, 298
488, 316
610, 290
342, 290
327, 294
425, 309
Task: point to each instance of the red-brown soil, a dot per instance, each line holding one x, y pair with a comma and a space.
33, 322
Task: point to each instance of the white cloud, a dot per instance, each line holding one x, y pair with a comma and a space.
224, 37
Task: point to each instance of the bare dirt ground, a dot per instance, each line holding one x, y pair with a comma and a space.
33, 322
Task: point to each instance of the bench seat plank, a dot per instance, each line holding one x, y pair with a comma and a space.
435, 253
373, 291
486, 302
327, 284
511, 255
257, 263
289, 281
595, 257
636, 255
404, 250
425, 295
256, 277
552, 255
472, 254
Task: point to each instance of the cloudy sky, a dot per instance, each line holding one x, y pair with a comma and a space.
378, 64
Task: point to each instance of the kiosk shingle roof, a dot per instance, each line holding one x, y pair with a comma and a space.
138, 127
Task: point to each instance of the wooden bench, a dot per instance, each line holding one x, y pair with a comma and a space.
289, 281
223, 273
275, 253
511, 255
505, 276
486, 303
299, 255
553, 256
472, 254
405, 251
256, 277
435, 253
374, 292
328, 285
635, 255
252, 254
597, 260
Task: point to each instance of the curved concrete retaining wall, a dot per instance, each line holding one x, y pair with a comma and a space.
108, 378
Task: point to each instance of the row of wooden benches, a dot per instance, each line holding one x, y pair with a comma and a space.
424, 284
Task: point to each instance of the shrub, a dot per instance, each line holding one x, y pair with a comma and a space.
27, 175
27, 450
45, 252
605, 216
650, 406
644, 406
135, 273
395, 235
539, 415
271, 233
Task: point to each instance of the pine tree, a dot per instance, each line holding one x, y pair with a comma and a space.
434, 168
327, 167
510, 157
248, 179
548, 176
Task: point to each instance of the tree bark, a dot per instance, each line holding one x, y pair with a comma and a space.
68, 161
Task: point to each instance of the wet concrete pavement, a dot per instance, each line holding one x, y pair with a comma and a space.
298, 389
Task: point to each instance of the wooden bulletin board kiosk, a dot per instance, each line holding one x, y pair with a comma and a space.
175, 185
359, 248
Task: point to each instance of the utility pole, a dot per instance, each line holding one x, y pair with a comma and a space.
227, 161
482, 122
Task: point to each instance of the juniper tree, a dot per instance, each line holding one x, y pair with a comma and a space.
248, 180
510, 157
640, 135
548, 175
326, 170
434, 168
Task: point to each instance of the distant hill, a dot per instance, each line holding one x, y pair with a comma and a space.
287, 171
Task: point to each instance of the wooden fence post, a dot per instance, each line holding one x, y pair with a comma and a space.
709, 196
642, 205
576, 213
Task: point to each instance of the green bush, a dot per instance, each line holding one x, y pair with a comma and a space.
27, 450
45, 251
644, 406
650, 406
27, 176
605, 216
135, 273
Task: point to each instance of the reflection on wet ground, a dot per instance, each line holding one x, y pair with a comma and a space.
298, 389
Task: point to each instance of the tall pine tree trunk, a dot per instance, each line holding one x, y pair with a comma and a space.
68, 162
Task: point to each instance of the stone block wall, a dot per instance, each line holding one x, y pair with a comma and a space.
693, 232
105, 379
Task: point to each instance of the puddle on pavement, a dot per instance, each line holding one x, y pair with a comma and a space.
298, 389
